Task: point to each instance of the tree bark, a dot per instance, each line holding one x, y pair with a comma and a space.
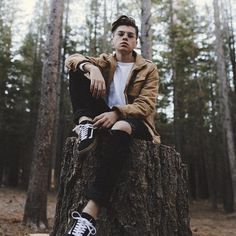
146, 31
35, 213
224, 101
150, 198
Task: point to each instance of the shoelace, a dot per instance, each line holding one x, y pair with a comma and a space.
83, 131
82, 225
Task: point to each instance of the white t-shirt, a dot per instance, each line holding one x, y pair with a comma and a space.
116, 93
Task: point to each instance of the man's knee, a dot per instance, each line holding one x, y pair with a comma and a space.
122, 125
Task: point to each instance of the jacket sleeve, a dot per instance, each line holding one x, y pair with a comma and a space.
73, 61
145, 103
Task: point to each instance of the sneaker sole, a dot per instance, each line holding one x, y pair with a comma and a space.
91, 147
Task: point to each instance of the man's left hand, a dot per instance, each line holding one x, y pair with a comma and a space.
106, 119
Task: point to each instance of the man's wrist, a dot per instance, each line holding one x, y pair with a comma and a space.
116, 111
88, 67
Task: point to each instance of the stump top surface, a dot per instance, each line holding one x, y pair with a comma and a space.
39, 235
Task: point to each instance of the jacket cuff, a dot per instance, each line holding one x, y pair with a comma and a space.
119, 111
80, 65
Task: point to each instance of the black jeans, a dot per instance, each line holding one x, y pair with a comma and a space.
115, 151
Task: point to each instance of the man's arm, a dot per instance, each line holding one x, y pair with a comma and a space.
92, 66
74, 61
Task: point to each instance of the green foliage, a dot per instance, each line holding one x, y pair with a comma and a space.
20, 78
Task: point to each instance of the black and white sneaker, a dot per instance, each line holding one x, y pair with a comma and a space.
82, 226
87, 136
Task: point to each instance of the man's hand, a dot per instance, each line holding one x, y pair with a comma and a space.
97, 82
106, 119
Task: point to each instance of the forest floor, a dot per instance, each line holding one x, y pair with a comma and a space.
204, 220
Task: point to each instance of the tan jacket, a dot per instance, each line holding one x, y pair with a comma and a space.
141, 88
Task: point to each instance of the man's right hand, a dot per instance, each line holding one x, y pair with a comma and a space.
97, 82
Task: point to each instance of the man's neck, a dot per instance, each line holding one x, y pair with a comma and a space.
124, 57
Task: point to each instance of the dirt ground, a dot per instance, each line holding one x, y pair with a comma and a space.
208, 222
11, 212
204, 221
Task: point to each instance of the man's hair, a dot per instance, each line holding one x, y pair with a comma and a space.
124, 20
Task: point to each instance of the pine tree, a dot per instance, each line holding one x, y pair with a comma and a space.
36, 203
31, 53
225, 111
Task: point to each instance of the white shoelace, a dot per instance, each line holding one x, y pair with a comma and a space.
82, 225
83, 131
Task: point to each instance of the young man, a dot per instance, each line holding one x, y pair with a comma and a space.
114, 92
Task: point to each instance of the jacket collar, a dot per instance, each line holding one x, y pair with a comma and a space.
138, 63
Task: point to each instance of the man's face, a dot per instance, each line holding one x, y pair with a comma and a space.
124, 39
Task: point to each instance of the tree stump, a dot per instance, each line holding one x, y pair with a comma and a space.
150, 198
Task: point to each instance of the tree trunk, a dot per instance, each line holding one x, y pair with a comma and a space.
151, 196
64, 105
228, 30
173, 60
225, 110
146, 31
36, 203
